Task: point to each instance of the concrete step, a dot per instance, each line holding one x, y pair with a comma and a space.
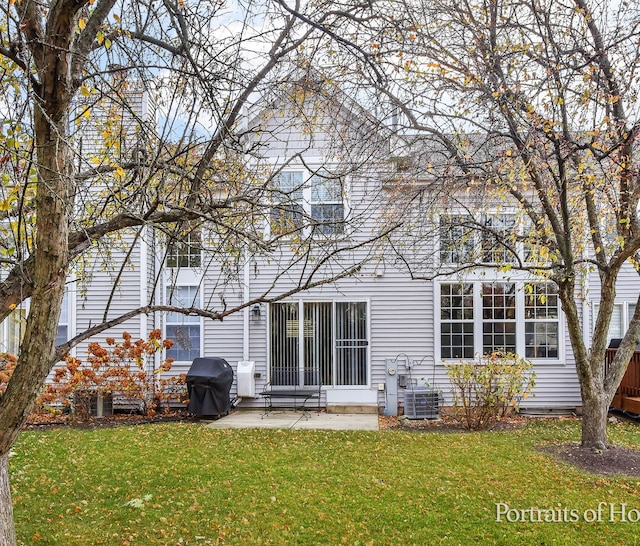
349, 408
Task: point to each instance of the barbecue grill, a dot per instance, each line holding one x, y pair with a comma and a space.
208, 384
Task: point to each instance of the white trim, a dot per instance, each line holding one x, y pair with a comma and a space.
300, 302
352, 396
478, 322
246, 272
200, 288
72, 300
309, 169
144, 288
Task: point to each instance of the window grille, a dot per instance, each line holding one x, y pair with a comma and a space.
184, 330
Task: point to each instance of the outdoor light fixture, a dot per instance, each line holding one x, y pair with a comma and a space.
256, 311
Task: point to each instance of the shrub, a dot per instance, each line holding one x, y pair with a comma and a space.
119, 368
485, 390
7, 365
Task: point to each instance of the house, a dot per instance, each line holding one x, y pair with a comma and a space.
376, 331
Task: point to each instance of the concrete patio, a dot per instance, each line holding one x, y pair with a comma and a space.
297, 420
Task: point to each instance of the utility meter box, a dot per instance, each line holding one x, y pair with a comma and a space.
246, 379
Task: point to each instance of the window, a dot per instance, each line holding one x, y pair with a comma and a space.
487, 239
287, 215
484, 317
620, 318
12, 331
299, 199
456, 240
327, 209
498, 318
331, 338
184, 330
63, 323
496, 237
541, 311
186, 251
456, 320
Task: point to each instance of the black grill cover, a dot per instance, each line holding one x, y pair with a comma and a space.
208, 384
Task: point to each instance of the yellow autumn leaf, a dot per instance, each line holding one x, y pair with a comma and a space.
82, 23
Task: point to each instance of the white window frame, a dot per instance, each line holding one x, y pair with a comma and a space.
334, 302
477, 281
626, 310
175, 246
477, 239
68, 307
307, 198
185, 319
11, 331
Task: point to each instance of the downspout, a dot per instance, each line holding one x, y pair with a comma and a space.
586, 312
144, 283
159, 283
245, 312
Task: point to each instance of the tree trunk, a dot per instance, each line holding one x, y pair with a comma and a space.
7, 528
37, 356
594, 421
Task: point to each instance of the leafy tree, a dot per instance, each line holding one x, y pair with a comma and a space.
85, 170
531, 108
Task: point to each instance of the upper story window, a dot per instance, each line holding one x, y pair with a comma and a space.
457, 240
327, 207
301, 199
489, 239
185, 250
498, 245
287, 213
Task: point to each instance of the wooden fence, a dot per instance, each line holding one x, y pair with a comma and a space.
628, 395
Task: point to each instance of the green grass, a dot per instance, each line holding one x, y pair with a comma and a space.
174, 484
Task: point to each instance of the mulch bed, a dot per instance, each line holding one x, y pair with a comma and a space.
615, 460
52, 421
444, 424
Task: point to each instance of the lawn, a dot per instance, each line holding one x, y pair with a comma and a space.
179, 483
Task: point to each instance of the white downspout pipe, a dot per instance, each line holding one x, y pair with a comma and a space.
245, 312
